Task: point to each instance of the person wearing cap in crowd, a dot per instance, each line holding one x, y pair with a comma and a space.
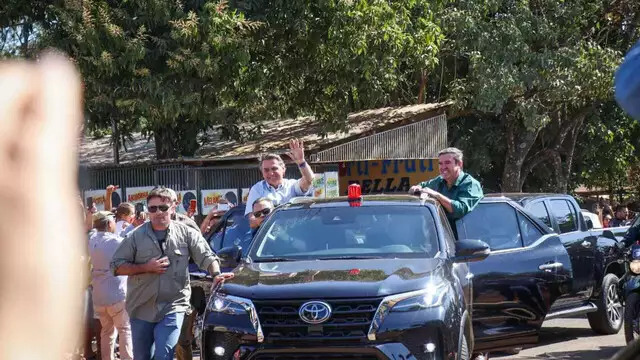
274, 186
155, 256
109, 291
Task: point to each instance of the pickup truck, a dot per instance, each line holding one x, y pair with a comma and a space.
532, 275
545, 262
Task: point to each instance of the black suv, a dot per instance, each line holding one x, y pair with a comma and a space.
376, 278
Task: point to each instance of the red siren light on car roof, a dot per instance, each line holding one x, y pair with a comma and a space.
354, 194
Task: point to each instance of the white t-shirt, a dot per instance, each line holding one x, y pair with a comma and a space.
121, 226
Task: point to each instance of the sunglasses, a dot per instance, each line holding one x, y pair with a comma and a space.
261, 213
155, 208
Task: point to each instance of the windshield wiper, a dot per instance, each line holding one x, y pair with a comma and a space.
350, 257
274, 259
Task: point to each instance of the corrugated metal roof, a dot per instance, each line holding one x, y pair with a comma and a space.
274, 137
420, 140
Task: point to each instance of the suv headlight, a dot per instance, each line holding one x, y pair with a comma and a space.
431, 296
228, 304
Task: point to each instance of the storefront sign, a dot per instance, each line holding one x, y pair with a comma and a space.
386, 176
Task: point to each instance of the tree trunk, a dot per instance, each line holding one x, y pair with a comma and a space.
519, 142
165, 148
423, 85
115, 138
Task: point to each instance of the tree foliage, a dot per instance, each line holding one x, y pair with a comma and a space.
163, 67
327, 58
541, 67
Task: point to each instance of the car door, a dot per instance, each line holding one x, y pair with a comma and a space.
581, 247
514, 287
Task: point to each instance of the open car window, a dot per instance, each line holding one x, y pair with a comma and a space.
494, 223
383, 231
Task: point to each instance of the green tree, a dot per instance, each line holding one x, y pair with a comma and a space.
540, 67
163, 67
328, 58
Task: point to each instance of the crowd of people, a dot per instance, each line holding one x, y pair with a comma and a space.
139, 289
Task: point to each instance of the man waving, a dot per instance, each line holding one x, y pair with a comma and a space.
274, 186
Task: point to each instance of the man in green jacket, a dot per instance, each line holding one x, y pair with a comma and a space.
457, 191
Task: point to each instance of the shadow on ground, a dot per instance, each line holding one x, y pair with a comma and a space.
603, 353
554, 335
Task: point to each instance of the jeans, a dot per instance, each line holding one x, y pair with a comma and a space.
156, 341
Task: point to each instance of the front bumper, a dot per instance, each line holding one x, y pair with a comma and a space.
355, 352
225, 337
358, 329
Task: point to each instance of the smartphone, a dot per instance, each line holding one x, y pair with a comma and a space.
223, 207
139, 209
90, 202
192, 206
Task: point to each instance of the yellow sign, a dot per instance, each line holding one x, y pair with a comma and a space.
386, 176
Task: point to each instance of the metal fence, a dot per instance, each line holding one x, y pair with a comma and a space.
183, 177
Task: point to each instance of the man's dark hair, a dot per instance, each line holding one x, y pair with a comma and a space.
263, 199
620, 207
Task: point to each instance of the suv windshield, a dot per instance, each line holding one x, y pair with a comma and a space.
347, 232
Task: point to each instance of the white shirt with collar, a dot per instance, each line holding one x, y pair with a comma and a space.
289, 189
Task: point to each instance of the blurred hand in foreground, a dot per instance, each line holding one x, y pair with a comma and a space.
43, 277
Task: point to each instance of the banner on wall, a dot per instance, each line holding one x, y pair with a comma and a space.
184, 201
318, 185
137, 195
245, 195
386, 176
331, 184
99, 196
211, 198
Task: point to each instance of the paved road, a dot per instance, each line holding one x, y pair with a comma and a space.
570, 339
567, 339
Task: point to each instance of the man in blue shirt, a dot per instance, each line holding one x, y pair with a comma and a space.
274, 186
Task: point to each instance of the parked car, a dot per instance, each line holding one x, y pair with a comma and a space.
561, 267
323, 280
589, 216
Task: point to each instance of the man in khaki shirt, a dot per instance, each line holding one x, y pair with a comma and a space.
155, 257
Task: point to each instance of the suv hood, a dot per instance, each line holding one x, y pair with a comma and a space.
332, 278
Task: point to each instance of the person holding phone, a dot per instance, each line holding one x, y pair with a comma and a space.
155, 257
213, 217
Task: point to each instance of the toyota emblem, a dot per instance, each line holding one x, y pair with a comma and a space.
315, 312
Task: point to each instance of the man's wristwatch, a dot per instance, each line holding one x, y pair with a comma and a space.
302, 164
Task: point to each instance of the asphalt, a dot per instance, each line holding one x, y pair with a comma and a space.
570, 339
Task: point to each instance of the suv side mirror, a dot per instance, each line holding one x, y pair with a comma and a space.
471, 251
230, 256
589, 224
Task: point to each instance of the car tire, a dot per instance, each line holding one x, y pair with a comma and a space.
631, 314
464, 349
609, 318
